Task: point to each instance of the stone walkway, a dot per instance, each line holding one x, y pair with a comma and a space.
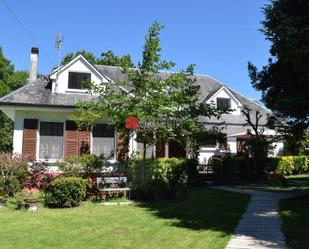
260, 225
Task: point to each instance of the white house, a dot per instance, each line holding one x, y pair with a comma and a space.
43, 131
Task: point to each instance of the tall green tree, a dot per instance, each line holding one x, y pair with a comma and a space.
107, 58
110, 59
88, 55
284, 82
168, 107
9, 81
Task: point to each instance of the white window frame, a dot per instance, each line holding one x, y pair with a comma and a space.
50, 160
113, 160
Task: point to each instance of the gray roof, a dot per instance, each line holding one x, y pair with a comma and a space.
38, 93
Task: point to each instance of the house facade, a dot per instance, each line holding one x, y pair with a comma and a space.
43, 130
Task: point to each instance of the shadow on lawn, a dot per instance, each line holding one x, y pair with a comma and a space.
202, 209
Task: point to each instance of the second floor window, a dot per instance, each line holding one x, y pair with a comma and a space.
77, 80
223, 103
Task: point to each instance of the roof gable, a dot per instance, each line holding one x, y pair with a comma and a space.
214, 95
73, 61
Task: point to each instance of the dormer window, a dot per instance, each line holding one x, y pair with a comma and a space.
223, 103
76, 80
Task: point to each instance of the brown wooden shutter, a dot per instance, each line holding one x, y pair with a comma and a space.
30, 138
71, 139
76, 142
122, 145
84, 142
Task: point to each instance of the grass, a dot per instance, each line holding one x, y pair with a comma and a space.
204, 219
296, 184
295, 217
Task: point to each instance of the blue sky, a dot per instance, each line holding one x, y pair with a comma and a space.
220, 36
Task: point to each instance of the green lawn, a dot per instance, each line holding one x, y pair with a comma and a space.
295, 216
298, 184
205, 219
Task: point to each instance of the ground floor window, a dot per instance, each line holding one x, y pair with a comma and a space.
150, 148
103, 141
51, 140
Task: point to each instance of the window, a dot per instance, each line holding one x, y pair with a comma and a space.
76, 80
51, 140
150, 148
103, 141
223, 103
209, 142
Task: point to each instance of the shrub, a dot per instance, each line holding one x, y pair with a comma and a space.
288, 165
13, 171
66, 192
23, 199
159, 178
76, 165
227, 169
37, 175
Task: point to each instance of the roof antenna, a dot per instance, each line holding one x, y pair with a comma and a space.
59, 47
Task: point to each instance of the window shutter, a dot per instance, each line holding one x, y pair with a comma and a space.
30, 138
71, 139
76, 142
83, 142
122, 145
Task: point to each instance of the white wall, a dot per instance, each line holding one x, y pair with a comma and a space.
48, 116
223, 93
81, 66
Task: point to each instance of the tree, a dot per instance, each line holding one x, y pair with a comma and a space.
296, 146
110, 59
168, 107
260, 145
9, 81
6, 69
88, 55
284, 82
107, 58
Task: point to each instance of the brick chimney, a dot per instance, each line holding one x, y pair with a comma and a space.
33, 72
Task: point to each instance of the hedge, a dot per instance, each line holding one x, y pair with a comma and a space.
292, 165
161, 178
66, 192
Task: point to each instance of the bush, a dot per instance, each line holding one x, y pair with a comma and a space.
77, 165
23, 199
292, 165
66, 192
162, 178
37, 175
13, 171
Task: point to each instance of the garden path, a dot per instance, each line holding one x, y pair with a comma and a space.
260, 225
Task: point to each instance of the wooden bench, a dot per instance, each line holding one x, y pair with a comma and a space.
113, 184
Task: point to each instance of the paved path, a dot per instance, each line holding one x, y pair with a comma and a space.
260, 225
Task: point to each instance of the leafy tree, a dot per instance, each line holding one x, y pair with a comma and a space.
9, 81
260, 145
88, 55
284, 82
107, 58
295, 146
110, 59
168, 107
6, 69
17, 79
